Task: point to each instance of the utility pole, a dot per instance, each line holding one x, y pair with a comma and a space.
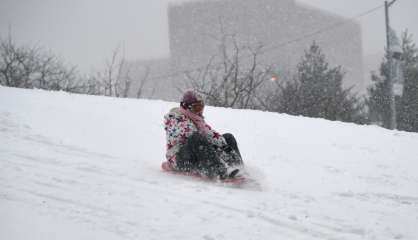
392, 110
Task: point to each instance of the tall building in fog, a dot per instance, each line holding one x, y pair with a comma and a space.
285, 27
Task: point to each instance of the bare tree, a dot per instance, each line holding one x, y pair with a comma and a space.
116, 78
233, 77
142, 82
110, 75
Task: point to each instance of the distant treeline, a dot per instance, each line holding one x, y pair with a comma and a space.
315, 90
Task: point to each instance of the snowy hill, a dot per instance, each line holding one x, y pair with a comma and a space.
85, 167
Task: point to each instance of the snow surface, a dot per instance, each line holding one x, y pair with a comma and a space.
87, 167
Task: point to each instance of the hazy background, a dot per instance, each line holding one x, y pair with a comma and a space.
85, 32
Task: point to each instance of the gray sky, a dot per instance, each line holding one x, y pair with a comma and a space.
84, 32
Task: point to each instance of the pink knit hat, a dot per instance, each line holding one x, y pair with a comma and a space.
190, 97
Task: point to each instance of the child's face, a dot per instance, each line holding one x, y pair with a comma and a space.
197, 107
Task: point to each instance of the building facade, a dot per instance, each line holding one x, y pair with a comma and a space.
285, 28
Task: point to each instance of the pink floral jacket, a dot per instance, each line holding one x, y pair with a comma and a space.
178, 128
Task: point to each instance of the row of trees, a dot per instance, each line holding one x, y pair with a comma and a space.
35, 67
234, 78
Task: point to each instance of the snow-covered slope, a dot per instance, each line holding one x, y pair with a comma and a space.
84, 167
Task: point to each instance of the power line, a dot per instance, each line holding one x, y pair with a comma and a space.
282, 44
322, 30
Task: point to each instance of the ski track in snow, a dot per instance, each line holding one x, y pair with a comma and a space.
60, 173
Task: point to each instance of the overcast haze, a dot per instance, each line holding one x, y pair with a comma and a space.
84, 32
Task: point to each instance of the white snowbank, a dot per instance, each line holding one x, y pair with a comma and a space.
86, 167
